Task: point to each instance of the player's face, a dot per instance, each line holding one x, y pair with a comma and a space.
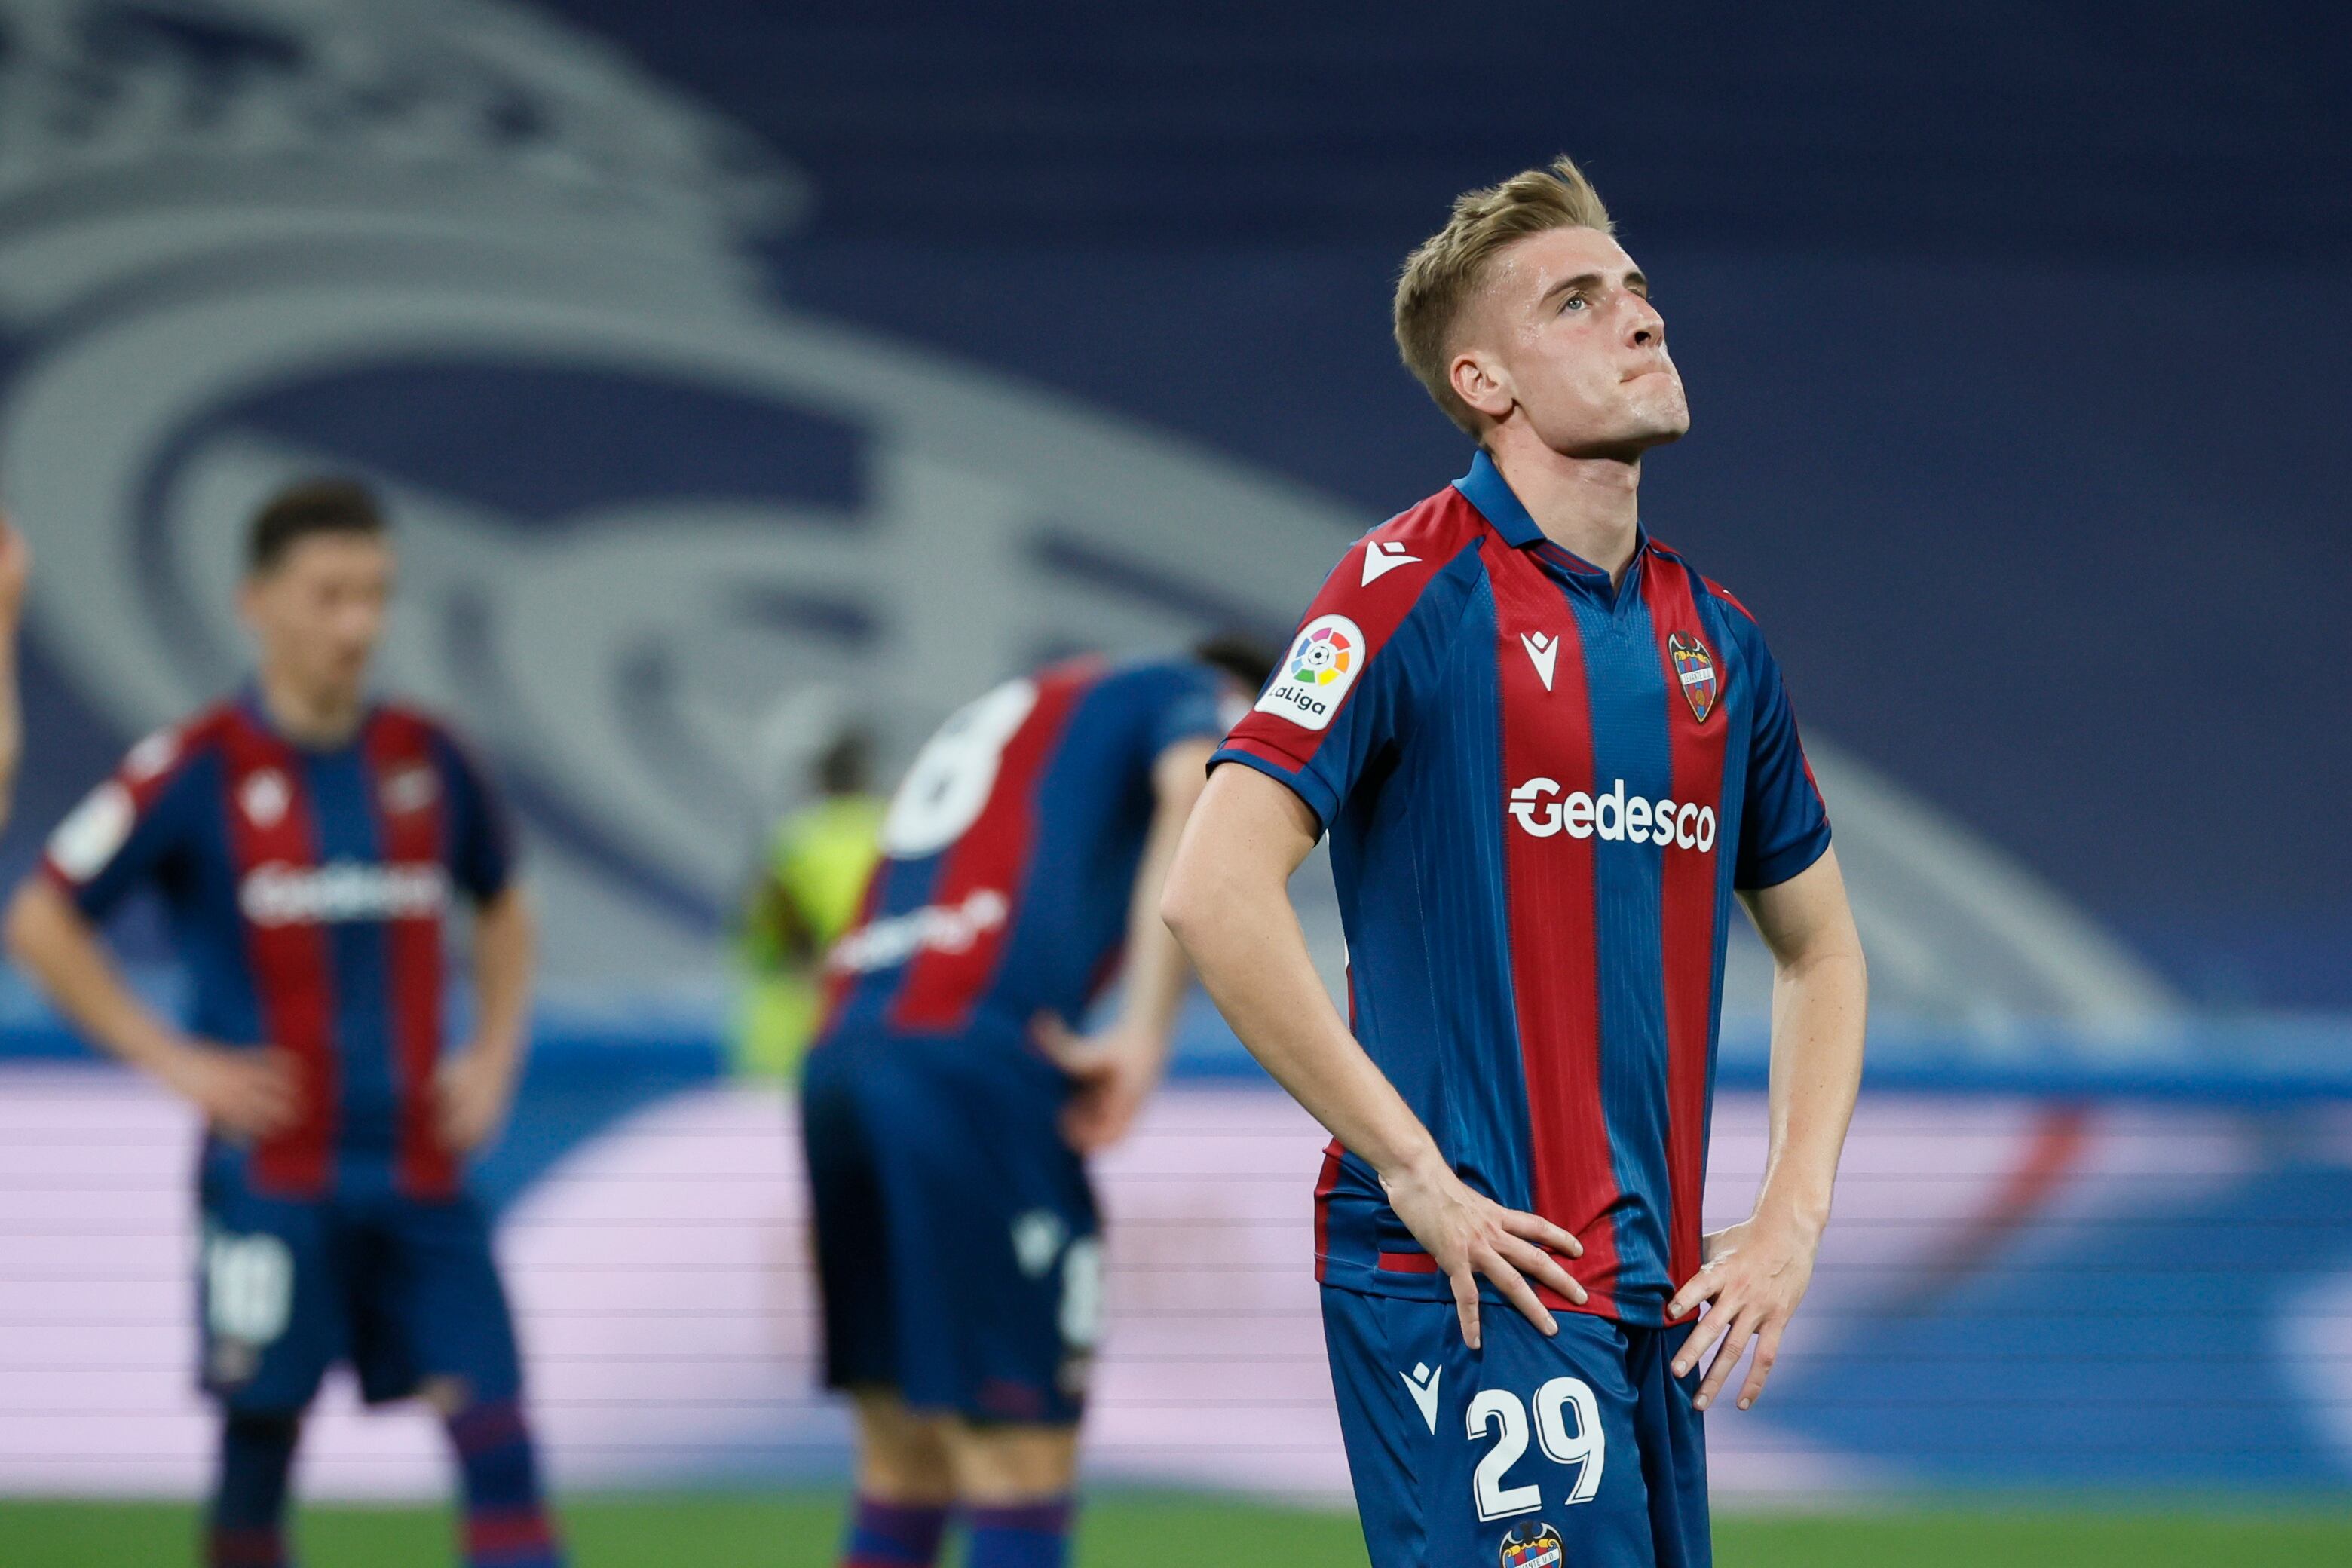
319, 613
1567, 335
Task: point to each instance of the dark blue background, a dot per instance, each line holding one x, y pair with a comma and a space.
2016, 336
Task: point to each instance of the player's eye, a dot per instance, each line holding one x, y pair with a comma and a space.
1574, 303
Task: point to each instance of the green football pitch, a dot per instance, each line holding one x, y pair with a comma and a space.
1161, 1531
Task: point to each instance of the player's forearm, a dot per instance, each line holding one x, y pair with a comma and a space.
1157, 969
1228, 902
505, 942
1819, 1002
55, 945
12, 723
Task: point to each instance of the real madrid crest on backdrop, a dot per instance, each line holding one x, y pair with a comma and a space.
479, 259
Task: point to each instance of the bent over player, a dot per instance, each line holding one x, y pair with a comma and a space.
306, 843
947, 1103
1549, 753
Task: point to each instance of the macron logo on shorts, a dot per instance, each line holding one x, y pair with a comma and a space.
1421, 1384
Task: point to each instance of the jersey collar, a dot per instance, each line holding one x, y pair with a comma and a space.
256, 711
1485, 488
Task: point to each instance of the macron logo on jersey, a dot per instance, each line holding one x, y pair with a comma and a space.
1543, 652
1543, 813
1381, 559
1323, 662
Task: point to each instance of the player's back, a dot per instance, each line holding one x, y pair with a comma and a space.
1009, 853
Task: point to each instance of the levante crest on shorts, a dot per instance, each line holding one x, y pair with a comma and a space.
1540, 1549
1694, 668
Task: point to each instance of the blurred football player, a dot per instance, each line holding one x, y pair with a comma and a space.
1549, 754
948, 1101
308, 842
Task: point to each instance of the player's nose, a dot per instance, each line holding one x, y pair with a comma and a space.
1644, 328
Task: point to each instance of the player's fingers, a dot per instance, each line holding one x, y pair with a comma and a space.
1767, 1351
1515, 1287
1735, 1344
1702, 1286
1541, 1266
1542, 1232
1466, 1302
1704, 1334
1064, 1046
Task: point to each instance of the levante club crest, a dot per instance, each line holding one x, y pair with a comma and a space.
1540, 1549
1694, 668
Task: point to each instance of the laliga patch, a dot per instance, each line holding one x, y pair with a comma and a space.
1541, 1548
1323, 663
91, 834
1694, 668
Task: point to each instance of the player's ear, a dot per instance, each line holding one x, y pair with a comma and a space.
1481, 382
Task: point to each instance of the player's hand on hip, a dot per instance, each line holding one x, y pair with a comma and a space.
472, 1092
1754, 1275
1471, 1235
243, 1092
1112, 1074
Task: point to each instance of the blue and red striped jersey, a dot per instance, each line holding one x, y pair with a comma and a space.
306, 892
1009, 853
1542, 792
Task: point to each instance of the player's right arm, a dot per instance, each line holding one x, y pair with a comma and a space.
116, 840
1228, 901
243, 1093
15, 568
1375, 636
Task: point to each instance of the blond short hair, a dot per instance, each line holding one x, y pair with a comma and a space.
1446, 270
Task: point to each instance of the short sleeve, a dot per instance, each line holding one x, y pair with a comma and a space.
1784, 828
1342, 693
1187, 710
481, 835
127, 830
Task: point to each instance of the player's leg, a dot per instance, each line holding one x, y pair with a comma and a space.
1016, 1484
996, 1252
246, 1525
272, 1322
904, 1491
1672, 1436
1524, 1454
1022, 1259
434, 1324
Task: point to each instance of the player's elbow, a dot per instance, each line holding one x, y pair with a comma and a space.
1183, 898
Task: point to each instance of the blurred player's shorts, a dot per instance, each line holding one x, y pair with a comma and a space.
403, 1290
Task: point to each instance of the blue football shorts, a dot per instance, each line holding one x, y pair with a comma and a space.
959, 1250
403, 1289
1577, 1451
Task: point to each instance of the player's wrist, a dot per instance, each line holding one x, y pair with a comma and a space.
1420, 1167
1803, 1214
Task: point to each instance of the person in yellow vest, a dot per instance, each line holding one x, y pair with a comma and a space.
805, 894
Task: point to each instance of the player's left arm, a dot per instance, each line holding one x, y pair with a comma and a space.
15, 568
476, 1086
1118, 1068
1756, 1272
